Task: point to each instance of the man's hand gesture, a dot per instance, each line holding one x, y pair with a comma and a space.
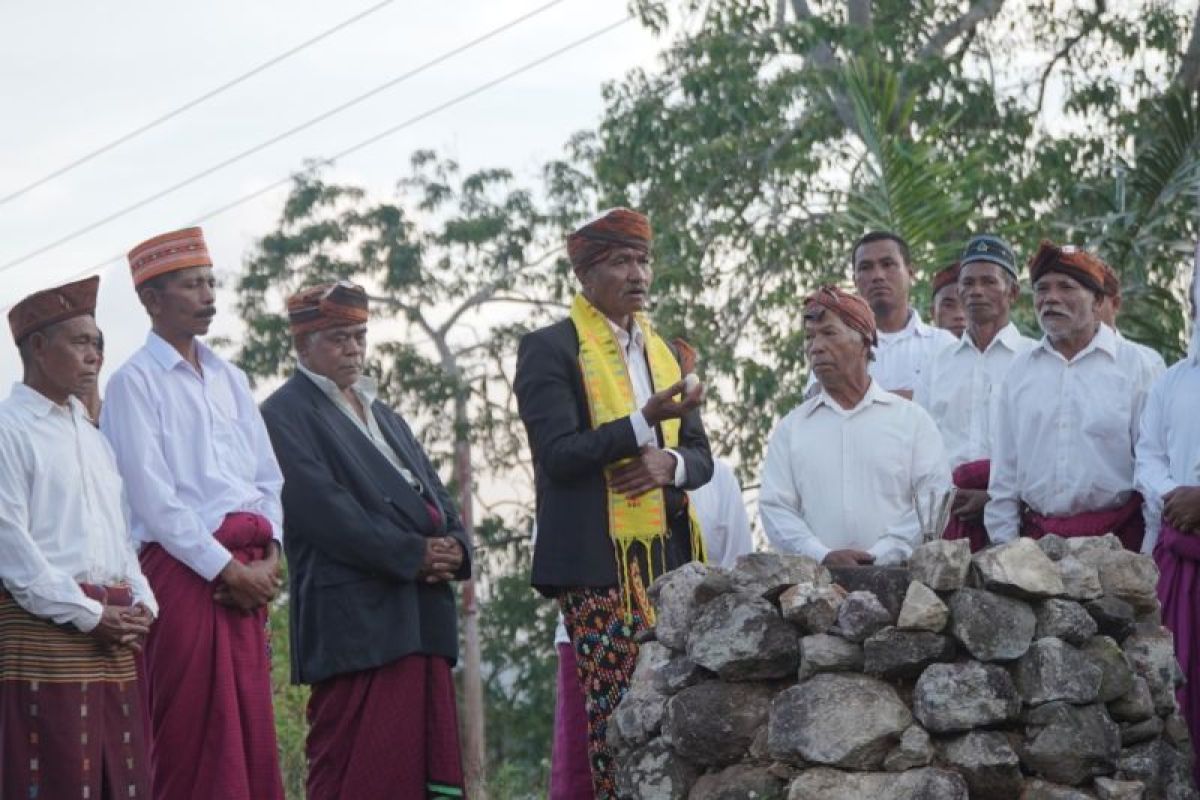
663, 405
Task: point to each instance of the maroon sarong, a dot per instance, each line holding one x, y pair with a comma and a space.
570, 770
207, 677
385, 732
70, 716
971, 475
1178, 557
1125, 521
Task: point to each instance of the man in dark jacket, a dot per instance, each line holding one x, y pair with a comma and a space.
616, 440
373, 541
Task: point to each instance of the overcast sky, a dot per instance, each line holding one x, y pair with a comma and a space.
71, 82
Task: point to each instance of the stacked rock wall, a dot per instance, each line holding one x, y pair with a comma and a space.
1030, 670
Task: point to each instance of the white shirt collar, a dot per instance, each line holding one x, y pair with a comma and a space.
365, 387
39, 405
875, 394
168, 357
1105, 341
625, 337
915, 326
1008, 336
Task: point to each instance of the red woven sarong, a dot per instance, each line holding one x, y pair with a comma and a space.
570, 769
207, 675
70, 719
971, 475
1125, 521
385, 732
1178, 557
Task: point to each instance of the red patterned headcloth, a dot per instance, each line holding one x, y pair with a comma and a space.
1072, 262
45, 308
329, 305
168, 252
616, 227
851, 308
945, 277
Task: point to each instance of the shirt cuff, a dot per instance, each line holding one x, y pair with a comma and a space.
88, 616
211, 561
642, 431
680, 469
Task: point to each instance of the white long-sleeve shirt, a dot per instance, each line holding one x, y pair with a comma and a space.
838, 478
192, 448
62, 514
1168, 449
1065, 432
960, 390
633, 348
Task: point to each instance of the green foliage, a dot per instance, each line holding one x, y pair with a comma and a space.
290, 702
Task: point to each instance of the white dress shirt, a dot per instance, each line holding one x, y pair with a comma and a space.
961, 388
192, 448
62, 515
1154, 361
633, 348
835, 478
1168, 450
1065, 432
901, 357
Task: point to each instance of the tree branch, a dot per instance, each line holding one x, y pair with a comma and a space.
860, 13
824, 58
978, 12
1088, 26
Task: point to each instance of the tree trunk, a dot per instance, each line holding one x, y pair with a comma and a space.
474, 736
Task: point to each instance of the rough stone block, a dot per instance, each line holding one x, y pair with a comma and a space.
992, 627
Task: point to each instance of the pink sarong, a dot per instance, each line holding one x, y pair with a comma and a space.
570, 769
1125, 521
971, 475
1178, 557
385, 732
207, 676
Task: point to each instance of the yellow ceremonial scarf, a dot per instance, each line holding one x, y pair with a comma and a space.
609, 389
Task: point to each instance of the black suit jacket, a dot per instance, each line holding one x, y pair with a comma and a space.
354, 534
569, 456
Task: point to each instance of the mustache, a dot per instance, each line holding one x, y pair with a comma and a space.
207, 313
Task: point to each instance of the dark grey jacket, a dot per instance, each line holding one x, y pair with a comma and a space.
354, 534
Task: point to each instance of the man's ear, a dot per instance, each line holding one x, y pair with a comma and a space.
582, 273
151, 300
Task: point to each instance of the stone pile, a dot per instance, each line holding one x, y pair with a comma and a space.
1035, 670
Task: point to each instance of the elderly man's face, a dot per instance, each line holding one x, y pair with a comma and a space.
183, 303
948, 311
1066, 308
618, 284
67, 355
336, 353
834, 349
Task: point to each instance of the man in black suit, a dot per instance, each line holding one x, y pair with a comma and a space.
373, 541
613, 458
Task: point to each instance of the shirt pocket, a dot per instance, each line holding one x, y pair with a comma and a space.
222, 399
1105, 406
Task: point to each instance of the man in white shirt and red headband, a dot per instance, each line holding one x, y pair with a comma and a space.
850, 471
1068, 415
74, 605
203, 487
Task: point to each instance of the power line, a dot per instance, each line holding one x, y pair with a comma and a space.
330, 160
244, 154
191, 103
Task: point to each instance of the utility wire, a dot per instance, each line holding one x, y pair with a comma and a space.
191, 103
330, 160
303, 126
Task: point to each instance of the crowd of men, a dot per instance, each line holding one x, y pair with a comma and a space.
141, 537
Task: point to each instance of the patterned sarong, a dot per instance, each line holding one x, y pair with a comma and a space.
70, 719
207, 677
1177, 555
1125, 521
603, 633
386, 732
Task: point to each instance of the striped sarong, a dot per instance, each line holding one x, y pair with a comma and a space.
70, 714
